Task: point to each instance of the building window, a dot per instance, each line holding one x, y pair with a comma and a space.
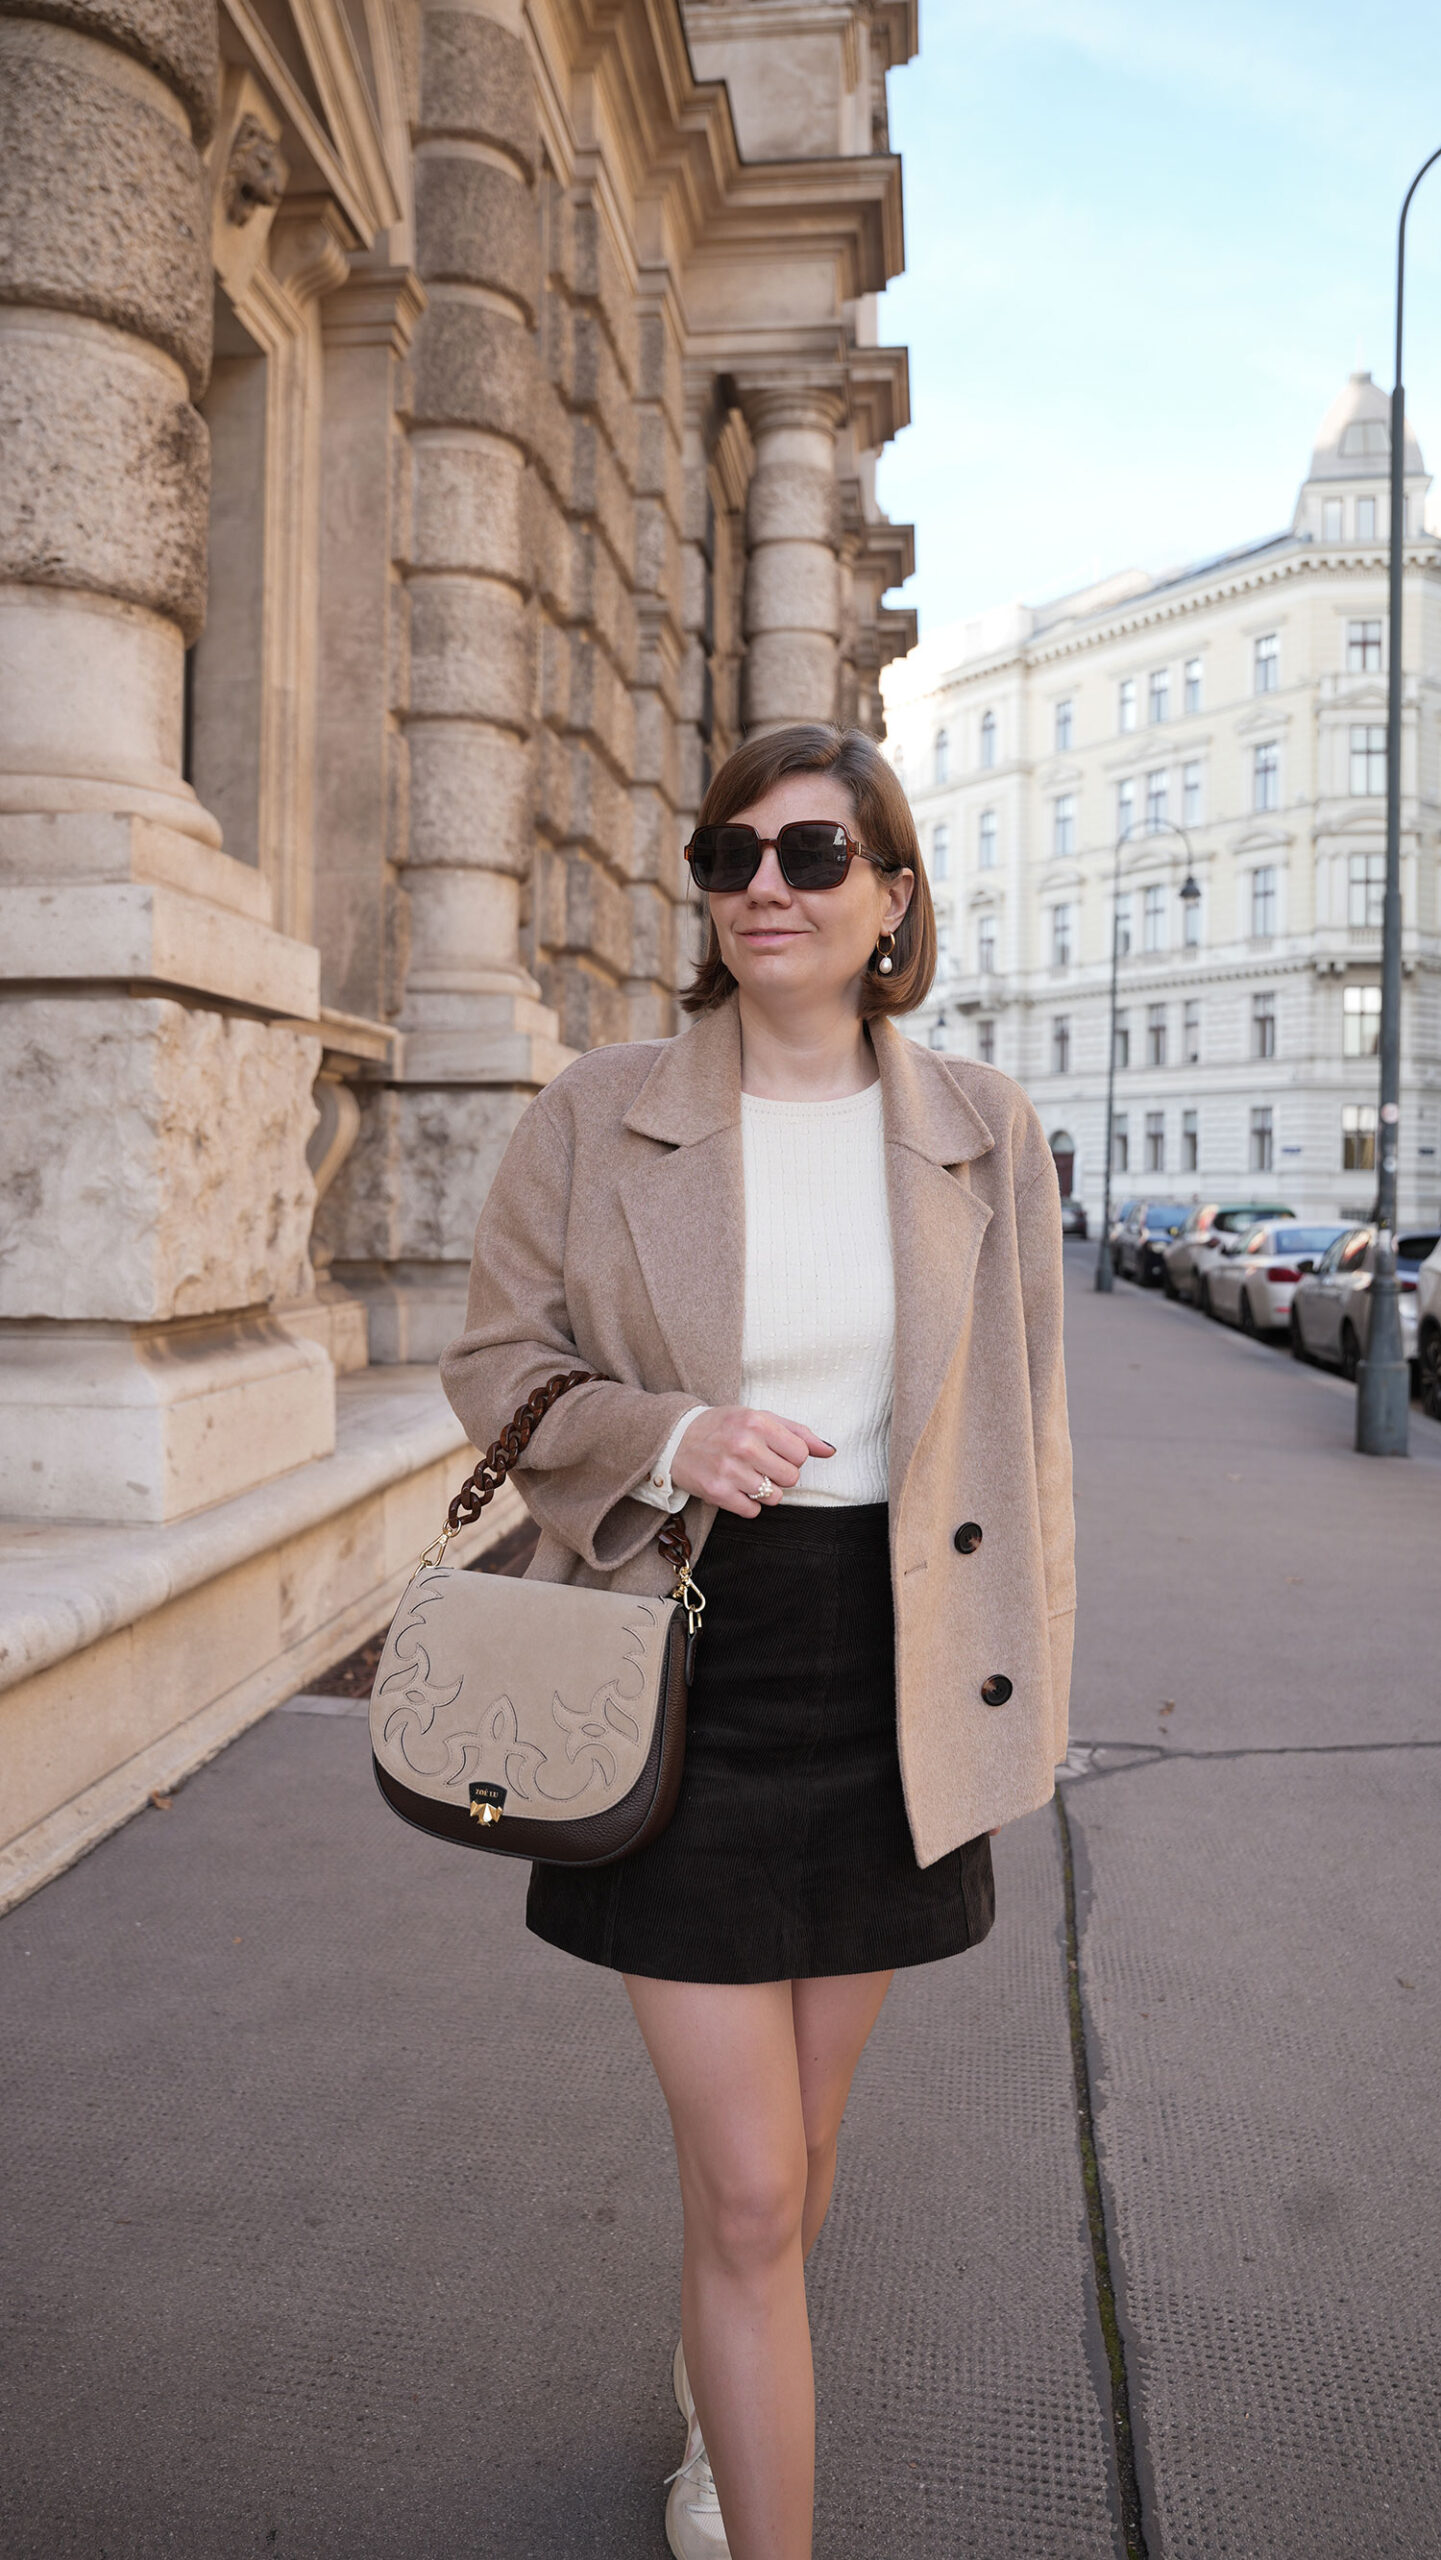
1125, 808
1061, 1044
1266, 775
1123, 1041
1126, 705
943, 946
1158, 793
1190, 1150
1366, 889
1358, 1137
942, 755
1191, 795
1060, 937
988, 739
1261, 1139
986, 945
1193, 684
1331, 520
1155, 1142
1266, 663
1063, 824
1263, 1024
1158, 705
1363, 648
1191, 924
1155, 1035
986, 1042
1120, 1144
1123, 926
1365, 519
1064, 726
1153, 917
940, 853
1191, 1032
988, 840
1360, 1022
1263, 903
1368, 760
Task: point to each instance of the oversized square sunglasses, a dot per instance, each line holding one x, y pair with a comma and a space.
813, 853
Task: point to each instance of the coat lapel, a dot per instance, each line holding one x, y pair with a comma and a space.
686, 1208
937, 1223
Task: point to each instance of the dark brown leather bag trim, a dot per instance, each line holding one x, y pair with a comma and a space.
593, 1839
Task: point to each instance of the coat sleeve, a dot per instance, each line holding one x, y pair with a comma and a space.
597, 1441
1038, 1233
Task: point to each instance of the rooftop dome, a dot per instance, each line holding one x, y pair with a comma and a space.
1354, 439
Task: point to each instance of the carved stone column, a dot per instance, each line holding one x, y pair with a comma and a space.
793, 534
157, 1085
476, 1040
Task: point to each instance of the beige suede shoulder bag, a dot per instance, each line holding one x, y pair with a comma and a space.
537, 1719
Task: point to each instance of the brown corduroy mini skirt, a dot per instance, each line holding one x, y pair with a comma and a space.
789, 1853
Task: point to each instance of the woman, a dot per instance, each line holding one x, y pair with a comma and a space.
816, 1270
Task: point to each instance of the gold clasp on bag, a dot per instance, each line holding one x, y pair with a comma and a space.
689, 1590
435, 1552
487, 1802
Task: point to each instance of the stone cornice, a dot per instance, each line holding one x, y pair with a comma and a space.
1173, 603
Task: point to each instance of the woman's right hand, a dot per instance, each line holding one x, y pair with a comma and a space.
730, 1447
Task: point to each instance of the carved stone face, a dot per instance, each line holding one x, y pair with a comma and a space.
255, 172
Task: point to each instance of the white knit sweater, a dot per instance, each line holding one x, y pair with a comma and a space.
819, 1331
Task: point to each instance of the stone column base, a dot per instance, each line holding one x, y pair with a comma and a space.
412, 1309
136, 1423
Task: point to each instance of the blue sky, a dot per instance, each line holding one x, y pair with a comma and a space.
1146, 245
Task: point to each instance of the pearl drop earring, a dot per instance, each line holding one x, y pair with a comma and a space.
885, 948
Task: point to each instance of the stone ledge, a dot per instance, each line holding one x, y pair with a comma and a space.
131, 1656
62, 1589
148, 931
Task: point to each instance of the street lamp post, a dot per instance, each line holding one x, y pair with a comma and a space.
1190, 897
1383, 1381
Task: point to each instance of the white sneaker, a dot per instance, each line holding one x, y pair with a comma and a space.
693, 2524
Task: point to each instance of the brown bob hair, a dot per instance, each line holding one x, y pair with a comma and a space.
884, 824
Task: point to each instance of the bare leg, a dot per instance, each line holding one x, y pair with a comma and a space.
747, 2146
834, 2015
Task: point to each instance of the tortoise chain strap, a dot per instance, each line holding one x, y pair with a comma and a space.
486, 1479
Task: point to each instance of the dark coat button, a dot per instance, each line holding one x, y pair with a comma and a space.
967, 1537
996, 1690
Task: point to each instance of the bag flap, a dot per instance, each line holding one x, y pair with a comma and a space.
542, 1690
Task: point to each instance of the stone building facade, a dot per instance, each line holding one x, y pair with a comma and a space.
434, 432
1241, 702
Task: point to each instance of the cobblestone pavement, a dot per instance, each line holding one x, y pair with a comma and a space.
340, 2216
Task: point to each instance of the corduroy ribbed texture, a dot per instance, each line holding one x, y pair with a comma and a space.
820, 1307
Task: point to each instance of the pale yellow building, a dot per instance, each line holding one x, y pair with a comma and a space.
1242, 699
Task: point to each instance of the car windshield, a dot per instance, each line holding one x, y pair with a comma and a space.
1304, 1239
1411, 1252
1166, 1221
1232, 1221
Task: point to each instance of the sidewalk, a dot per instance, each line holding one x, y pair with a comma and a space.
341, 2216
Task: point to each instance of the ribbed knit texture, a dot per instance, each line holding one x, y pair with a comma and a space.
820, 1314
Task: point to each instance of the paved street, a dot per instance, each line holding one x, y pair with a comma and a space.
341, 2223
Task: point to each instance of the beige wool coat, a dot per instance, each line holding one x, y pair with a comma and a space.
612, 1239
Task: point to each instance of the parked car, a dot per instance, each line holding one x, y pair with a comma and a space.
1253, 1287
1142, 1242
1331, 1307
1073, 1219
1200, 1240
1428, 1332
1120, 1212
